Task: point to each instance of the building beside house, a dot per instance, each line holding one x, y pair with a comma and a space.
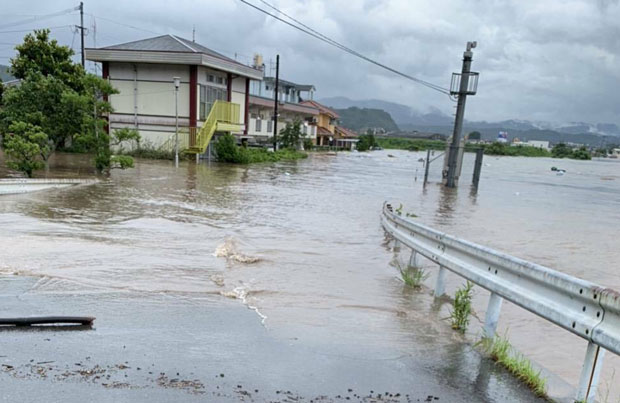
345, 138
290, 107
328, 133
213, 94
326, 123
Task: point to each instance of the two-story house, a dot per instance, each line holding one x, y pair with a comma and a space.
290, 107
213, 93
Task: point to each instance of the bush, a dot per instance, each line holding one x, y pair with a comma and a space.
308, 144
515, 151
227, 150
561, 150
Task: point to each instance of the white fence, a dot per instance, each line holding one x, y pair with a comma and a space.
583, 308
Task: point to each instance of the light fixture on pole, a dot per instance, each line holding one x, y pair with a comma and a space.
177, 82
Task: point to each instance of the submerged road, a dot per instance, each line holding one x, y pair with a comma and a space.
162, 348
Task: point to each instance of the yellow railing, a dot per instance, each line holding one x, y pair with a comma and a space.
221, 112
185, 134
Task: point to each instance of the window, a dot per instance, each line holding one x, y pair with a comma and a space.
219, 80
259, 124
210, 78
208, 95
270, 126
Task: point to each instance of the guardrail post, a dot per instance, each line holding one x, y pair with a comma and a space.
440, 285
492, 316
414, 260
588, 381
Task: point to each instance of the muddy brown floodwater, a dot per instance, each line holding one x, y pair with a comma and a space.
300, 243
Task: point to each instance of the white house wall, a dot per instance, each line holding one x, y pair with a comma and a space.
237, 95
155, 97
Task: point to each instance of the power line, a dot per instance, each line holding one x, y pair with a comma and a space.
124, 25
32, 29
38, 18
309, 31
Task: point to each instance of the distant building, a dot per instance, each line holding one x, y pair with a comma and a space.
326, 123
502, 137
532, 143
142, 71
290, 106
345, 138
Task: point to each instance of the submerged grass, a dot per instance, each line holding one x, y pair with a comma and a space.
413, 276
462, 308
501, 351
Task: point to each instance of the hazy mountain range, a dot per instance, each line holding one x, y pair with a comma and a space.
436, 121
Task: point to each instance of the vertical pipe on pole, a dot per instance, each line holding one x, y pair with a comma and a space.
82, 30
478, 166
440, 285
426, 167
177, 82
590, 371
275, 106
453, 152
492, 316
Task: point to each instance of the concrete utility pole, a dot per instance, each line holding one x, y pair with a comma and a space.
82, 29
275, 106
177, 82
466, 87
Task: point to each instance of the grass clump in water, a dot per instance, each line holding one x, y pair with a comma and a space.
462, 308
413, 276
501, 351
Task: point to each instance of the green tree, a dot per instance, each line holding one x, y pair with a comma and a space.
475, 135
289, 137
45, 102
366, 141
561, 150
39, 54
26, 147
581, 154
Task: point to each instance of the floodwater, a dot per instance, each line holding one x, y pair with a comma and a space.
300, 243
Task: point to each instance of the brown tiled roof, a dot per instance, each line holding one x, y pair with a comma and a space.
321, 131
344, 132
324, 109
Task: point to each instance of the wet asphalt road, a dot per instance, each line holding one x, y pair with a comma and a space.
162, 347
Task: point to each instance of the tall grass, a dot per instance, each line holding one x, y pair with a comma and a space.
413, 276
501, 351
462, 308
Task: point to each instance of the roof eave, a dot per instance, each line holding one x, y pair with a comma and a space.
199, 59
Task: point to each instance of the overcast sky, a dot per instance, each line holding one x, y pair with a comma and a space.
538, 59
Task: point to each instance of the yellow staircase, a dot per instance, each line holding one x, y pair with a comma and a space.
223, 117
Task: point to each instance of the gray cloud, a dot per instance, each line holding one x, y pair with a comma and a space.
555, 60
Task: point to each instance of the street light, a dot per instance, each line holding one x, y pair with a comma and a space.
177, 82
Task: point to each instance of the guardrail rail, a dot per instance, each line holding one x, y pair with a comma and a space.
583, 308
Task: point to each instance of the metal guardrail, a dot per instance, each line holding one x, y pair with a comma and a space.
583, 308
